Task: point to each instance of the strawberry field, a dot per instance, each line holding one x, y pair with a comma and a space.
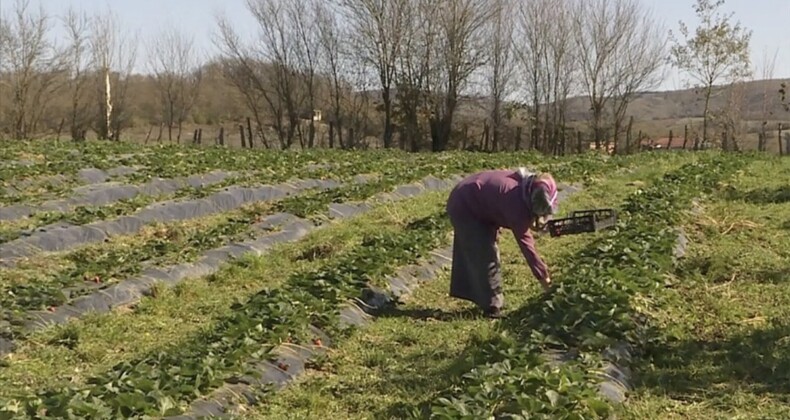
181, 282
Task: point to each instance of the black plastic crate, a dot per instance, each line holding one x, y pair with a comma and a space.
582, 221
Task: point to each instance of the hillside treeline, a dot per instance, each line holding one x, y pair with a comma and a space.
410, 73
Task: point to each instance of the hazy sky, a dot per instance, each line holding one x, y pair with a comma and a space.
768, 19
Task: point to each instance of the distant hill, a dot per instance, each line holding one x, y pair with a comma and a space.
679, 104
664, 105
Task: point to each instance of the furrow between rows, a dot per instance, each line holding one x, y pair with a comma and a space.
287, 361
425, 235
61, 239
290, 228
103, 193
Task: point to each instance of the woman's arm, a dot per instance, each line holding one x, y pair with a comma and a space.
527, 244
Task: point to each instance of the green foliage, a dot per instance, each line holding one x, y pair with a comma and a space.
107, 264
718, 51
160, 383
596, 305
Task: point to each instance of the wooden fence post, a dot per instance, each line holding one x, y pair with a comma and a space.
221, 137
241, 131
685, 136
518, 138
249, 134
781, 153
669, 143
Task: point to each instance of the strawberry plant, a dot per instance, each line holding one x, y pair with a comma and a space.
161, 383
590, 310
107, 264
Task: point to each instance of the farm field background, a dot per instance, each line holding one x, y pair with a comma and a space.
180, 282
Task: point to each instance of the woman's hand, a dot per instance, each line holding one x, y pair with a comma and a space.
546, 284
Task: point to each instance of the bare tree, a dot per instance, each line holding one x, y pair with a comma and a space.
79, 64
531, 43
31, 65
114, 55
270, 67
731, 117
357, 106
767, 68
332, 65
245, 73
302, 18
636, 63
598, 33
717, 52
177, 74
462, 47
559, 73
377, 28
416, 63
500, 63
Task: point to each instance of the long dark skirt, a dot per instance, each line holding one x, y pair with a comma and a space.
476, 275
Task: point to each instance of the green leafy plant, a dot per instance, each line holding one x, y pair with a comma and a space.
591, 309
160, 383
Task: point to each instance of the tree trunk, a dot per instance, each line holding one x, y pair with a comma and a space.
705, 117
107, 103
385, 95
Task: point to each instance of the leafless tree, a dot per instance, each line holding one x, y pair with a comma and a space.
358, 105
332, 63
269, 66
245, 73
530, 47
31, 65
500, 63
416, 61
303, 20
177, 71
731, 116
637, 62
767, 68
559, 73
377, 29
599, 33
546, 57
79, 64
461, 26
114, 55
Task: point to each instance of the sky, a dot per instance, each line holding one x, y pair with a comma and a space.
768, 19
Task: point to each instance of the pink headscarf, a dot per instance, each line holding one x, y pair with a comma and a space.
547, 185
550, 188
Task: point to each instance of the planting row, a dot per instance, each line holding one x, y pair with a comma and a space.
99, 192
60, 238
30, 190
164, 383
40, 159
551, 360
22, 302
107, 262
289, 359
105, 200
104, 263
103, 193
171, 161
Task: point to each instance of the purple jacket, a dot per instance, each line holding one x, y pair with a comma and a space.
495, 198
